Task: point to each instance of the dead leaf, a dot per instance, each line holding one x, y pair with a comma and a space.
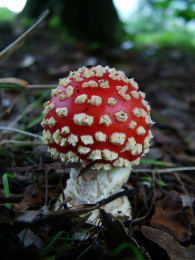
174, 250
170, 216
28, 238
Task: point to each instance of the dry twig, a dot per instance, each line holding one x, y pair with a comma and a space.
18, 42
21, 132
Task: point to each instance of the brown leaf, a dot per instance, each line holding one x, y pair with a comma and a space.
174, 250
32, 195
170, 216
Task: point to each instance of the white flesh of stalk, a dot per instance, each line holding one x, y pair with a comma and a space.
93, 186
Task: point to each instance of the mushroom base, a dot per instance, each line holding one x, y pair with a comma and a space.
94, 186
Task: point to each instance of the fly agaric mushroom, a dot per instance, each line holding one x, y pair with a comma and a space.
97, 114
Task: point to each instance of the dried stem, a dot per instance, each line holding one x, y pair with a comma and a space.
19, 142
42, 86
168, 170
21, 132
18, 42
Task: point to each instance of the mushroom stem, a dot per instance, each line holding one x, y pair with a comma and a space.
93, 186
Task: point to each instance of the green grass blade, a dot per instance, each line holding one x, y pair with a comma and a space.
6, 186
134, 249
162, 183
35, 121
149, 180
159, 163
55, 238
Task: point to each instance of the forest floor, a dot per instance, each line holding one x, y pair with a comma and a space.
163, 201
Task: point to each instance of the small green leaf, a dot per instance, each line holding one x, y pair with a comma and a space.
59, 235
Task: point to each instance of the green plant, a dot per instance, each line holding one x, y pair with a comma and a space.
155, 162
6, 186
149, 181
61, 235
133, 248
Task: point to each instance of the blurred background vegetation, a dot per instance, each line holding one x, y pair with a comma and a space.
128, 24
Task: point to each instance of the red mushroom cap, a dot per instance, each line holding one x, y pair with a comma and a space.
97, 114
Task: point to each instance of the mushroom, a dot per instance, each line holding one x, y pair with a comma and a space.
97, 114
